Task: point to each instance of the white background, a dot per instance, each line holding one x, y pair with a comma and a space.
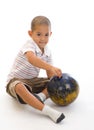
72, 47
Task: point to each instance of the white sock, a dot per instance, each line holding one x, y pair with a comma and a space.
42, 96
53, 114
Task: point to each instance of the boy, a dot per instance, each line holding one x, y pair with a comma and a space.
23, 81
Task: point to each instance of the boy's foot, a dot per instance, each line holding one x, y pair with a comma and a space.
60, 118
55, 115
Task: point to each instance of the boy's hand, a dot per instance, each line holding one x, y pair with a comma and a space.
53, 71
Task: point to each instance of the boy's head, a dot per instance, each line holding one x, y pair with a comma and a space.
40, 20
40, 31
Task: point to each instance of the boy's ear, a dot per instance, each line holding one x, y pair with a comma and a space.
30, 33
50, 33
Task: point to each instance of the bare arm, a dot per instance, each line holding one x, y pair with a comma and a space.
36, 61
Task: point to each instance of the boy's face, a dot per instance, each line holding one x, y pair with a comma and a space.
41, 35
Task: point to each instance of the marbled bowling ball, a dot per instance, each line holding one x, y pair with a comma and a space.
64, 90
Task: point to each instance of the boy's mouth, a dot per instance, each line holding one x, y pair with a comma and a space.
41, 42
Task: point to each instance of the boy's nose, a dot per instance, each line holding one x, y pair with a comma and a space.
42, 38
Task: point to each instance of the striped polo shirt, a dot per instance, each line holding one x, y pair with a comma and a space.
22, 68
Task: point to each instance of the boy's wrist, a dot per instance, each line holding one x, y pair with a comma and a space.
48, 67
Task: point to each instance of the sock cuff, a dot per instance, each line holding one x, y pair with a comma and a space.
42, 96
45, 109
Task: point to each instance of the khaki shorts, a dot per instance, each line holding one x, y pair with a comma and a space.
34, 85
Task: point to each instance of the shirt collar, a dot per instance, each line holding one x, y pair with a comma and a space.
38, 50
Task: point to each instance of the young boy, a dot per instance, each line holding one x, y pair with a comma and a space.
23, 81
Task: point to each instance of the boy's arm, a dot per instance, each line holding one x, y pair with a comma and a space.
36, 61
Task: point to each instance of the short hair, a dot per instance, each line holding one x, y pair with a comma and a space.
39, 20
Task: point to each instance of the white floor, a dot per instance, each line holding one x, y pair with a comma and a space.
72, 45
79, 114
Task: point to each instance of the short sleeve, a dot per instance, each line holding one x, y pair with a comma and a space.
28, 46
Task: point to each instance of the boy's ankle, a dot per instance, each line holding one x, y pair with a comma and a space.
38, 98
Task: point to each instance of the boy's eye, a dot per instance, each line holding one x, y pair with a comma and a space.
47, 34
38, 34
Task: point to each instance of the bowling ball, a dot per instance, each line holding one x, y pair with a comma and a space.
64, 90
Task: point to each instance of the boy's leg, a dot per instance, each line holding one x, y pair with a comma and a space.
30, 99
27, 97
